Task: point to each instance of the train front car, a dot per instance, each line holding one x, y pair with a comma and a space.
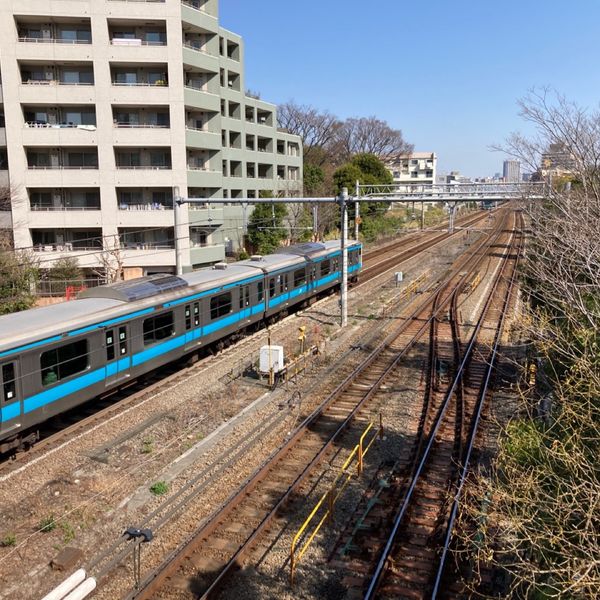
57, 357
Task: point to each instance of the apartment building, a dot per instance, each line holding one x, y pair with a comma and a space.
414, 168
111, 105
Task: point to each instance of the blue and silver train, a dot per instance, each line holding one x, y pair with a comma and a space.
56, 357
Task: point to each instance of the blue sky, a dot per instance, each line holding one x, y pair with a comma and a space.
446, 72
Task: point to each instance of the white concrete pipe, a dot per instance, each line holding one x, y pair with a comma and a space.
81, 592
66, 586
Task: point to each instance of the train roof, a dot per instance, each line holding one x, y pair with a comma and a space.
38, 323
112, 301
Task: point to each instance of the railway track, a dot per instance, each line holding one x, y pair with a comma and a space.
222, 543
410, 542
76, 422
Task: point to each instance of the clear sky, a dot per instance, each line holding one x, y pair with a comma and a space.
447, 73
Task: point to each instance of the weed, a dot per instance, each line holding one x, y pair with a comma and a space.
147, 446
10, 539
68, 532
47, 524
159, 488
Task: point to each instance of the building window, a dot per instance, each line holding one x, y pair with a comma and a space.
220, 305
60, 363
414, 174
158, 328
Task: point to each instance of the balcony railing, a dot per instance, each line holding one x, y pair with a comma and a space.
159, 83
197, 49
140, 126
144, 167
54, 82
195, 4
35, 40
65, 247
147, 246
42, 208
145, 206
135, 42
61, 167
37, 125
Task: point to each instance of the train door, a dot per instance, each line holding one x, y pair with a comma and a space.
312, 277
10, 396
117, 347
244, 300
192, 324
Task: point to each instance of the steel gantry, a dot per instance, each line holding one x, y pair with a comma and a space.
449, 193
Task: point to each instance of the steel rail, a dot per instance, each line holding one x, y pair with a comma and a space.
491, 364
376, 578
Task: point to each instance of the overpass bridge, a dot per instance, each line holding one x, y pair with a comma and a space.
452, 192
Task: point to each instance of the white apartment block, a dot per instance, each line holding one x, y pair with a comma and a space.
111, 105
415, 168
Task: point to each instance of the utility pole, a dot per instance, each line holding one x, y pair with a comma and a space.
357, 210
422, 216
315, 215
176, 232
344, 288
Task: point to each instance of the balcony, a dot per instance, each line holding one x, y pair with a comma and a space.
205, 179
68, 159
195, 13
207, 255
66, 240
151, 239
67, 199
201, 98
200, 60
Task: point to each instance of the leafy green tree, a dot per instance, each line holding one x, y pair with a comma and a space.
18, 274
265, 226
314, 177
346, 177
373, 170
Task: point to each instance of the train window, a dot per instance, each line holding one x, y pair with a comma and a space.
196, 314
188, 316
9, 385
299, 277
123, 340
158, 328
325, 267
110, 345
261, 293
272, 287
247, 295
241, 298
60, 363
220, 305
286, 284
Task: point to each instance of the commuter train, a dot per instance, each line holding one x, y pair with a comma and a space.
56, 357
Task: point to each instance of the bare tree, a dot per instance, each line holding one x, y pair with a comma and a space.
111, 261
317, 129
370, 135
544, 524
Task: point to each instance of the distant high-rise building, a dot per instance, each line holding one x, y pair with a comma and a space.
511, 171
